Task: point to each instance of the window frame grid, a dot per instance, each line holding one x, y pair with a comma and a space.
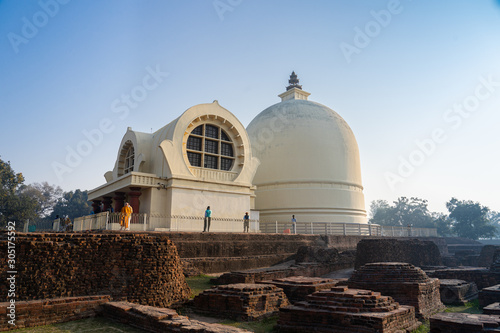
218, 155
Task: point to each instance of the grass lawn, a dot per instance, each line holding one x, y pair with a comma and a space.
199, 283
91, 325
263, 326
470, 307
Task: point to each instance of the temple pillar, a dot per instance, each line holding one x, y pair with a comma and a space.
134, 198
107, 203
96, 206
119, 201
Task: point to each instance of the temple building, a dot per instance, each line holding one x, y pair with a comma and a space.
296, 157
202, 158
310, 164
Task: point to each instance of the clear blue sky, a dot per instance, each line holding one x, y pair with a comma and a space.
418, 82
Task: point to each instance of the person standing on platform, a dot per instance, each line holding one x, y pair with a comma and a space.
246, 222
126, 214
294, 225
208, 219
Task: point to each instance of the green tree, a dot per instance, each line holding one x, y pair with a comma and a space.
443, 224
44, 194
403, 212
471, 219
72, 204
14, 205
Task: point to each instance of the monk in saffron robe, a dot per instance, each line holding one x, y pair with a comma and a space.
125, 215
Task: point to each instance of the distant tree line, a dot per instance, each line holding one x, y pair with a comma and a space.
38, 201
465, 218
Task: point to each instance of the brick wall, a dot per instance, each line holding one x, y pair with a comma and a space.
483, 278
51, 311
134, 267
413, 251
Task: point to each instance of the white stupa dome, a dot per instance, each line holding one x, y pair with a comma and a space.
310, 164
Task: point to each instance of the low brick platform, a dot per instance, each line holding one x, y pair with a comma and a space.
162, 320
241, 301
464, 323
407, 284
346, 311
50, 311
492, 309
297, 288
457, 292
495, 265
342, 260
482, 277
414, 251
489, 295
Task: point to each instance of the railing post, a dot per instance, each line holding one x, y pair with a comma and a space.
145, 220
276, 231
359, 229
344, 228
312, 231
369, 229
326, 228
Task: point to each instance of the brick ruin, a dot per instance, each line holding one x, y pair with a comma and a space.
146, 268
347, 310
464, 323
127, 266
457, 292
309, 261
161, 320
297, 288
407, 284
245, 302
51, 311
413, 251
489, 295
492, 309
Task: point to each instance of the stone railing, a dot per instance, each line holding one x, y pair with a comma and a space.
159, 222
399, 231
322, 228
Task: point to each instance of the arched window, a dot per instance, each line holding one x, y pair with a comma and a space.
129, 160
208, 146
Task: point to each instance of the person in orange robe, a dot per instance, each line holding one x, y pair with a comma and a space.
126, 213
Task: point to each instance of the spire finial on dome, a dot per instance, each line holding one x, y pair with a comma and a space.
294, 82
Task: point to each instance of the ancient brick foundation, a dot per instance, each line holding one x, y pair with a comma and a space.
160, 320
492, 309
457, 292
50, 311
489, 295
242, 301
482, 277
135, 267
413, 251
347, 310
407, 284
464, 323
487, 255
297, 288
341, 260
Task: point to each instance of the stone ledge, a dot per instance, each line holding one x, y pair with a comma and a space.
464, 323
160, 320
51, 311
